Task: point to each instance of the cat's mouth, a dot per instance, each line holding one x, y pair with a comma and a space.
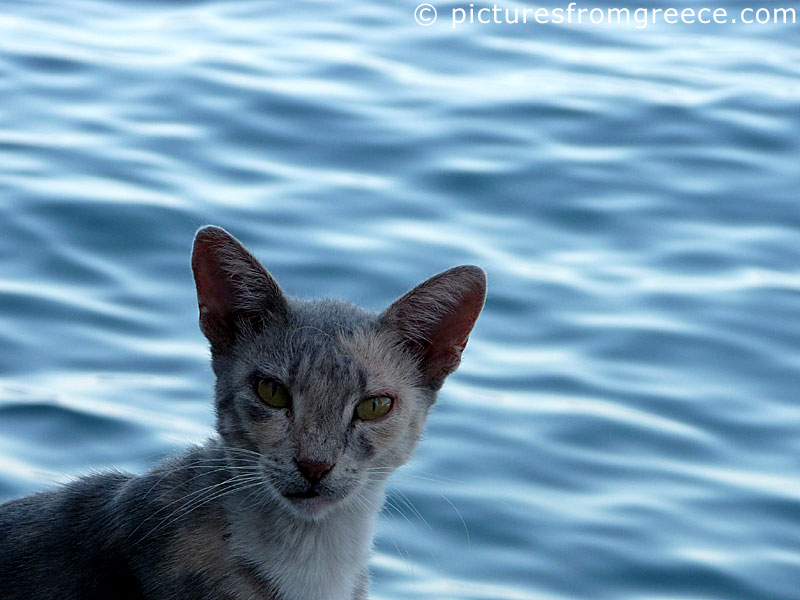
310, 501
309, 493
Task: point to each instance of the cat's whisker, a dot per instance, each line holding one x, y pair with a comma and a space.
399, 510
169, 472
201, 465
246, 498
410, 477
402, 469
237, 487
431, 476
195, 465
263, 498
362, 502
460, 516
200, 492
163, 508
419, 475
371, 478
418, 514
407, 501
387, 510
407, 557
202, 500
213, 488
355, 503
245, 451
234, 449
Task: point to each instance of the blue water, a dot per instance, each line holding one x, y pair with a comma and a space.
625, 424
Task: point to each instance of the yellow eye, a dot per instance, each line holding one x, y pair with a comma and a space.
374, 408
273, 393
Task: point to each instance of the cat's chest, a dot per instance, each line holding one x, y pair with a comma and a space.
324, 562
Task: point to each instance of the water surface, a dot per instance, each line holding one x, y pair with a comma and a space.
625, 423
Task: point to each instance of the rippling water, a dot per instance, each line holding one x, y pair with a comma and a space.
625, 424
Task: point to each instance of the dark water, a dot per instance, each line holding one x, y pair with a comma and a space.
625, 424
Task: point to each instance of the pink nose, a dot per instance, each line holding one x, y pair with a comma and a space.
313, 471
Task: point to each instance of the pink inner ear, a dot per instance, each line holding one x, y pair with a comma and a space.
232, 287
212, 292
449, 337
452, 332
214, 296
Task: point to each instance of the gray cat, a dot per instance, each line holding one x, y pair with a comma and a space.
317, 402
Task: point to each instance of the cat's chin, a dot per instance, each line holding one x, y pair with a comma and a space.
310, 506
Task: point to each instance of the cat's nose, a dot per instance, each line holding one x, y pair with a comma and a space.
313, 471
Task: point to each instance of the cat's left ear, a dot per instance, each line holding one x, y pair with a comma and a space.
234, 291
434, 319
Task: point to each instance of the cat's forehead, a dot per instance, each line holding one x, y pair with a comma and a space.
330, 316
337, 345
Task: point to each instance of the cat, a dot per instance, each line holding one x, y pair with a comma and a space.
317, 402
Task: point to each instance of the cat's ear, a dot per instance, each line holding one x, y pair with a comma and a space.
233, 290
434, 319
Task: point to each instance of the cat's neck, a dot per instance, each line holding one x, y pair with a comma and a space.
324, 559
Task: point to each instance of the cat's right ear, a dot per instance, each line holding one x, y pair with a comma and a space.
234, 291
434, 319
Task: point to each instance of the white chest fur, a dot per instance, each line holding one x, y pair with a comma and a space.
322, 560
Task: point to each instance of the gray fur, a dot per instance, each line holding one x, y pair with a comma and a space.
216, 522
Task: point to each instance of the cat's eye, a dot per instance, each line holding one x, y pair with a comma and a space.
374, 408
273, 393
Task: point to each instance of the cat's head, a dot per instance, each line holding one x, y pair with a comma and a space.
330, 396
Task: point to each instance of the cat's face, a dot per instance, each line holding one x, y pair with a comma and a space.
326, 397
322, 372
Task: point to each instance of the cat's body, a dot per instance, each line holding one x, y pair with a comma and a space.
88, 530
317, 403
